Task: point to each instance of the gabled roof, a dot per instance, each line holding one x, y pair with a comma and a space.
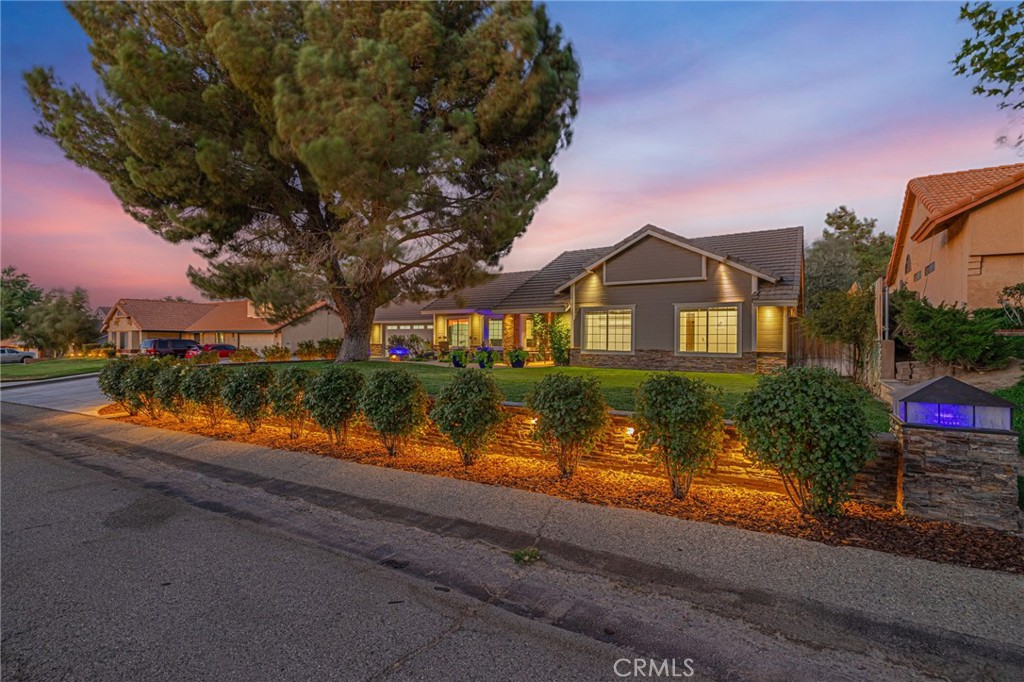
672, 238
537, 294
774, 256
233, 316
400, 311
163, 316
481, 297
947, 196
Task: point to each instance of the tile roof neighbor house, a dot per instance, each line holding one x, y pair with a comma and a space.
960, 238
131, 321
654, 300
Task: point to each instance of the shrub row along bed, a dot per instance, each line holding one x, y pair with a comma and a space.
678, 421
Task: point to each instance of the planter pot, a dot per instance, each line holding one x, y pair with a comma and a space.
457, 363
519, 364
482, 363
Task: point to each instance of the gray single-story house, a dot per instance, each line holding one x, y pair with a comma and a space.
655, 300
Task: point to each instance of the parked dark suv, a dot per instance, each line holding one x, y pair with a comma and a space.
162, 347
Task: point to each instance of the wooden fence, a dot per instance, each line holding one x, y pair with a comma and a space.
806, 351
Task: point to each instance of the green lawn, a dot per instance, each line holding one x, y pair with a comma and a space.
49, 369
618, 384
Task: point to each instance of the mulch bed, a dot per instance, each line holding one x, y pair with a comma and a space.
862, 526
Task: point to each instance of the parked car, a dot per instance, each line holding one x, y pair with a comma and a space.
15, 355
162, 347
224, 350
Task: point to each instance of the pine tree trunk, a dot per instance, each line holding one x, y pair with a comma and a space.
357, 316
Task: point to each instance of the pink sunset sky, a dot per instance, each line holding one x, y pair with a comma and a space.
700, 118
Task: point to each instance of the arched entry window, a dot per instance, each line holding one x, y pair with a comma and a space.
906, 265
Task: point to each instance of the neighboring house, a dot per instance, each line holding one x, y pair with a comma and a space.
960, 238
655, 300
131, 321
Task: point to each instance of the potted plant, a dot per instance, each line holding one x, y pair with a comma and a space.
517, 357
459, 357
485, 357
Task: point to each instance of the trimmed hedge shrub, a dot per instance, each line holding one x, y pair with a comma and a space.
307, 350
276, 354
167, 388
395, 405
244, 354
140, 385
201, 388
329, 348
468, 411
332, 398
949, 334
246, 394
679, 421
207, 357
572, 417
286, 397
808, 424
112, 385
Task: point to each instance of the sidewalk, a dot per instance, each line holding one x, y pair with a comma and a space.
879, 589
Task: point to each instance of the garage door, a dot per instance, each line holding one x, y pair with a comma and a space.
425, 331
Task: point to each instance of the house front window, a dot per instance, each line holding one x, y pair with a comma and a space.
458, 332
608, 330
495, 336
714, 329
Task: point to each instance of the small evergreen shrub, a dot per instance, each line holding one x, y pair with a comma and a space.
207, 357
949, 334
140, 385
286, 396
168, 388
572, 417
246, 394
328, 348
112, 384
201, 388
561, 341
810, 426
1015, 394
468, 411
332, 398
307, 350
244, 354
276, 353
395, 405
679, 421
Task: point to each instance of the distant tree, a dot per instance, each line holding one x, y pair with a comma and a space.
177, 299
849, 251
846, 317
59, 322
17, 295
348, 151
995, 56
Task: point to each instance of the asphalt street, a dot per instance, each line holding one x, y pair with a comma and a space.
80, 395
106, 580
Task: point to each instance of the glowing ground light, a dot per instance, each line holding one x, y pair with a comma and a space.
630, 430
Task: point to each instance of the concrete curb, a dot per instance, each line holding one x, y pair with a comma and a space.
39, 382
703, 558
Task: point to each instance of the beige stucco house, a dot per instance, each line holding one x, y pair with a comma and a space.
130, 321
960, 238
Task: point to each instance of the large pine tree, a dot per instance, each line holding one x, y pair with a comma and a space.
349, 151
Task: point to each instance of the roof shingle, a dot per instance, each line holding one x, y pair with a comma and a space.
946, 192
162, 315
484, 296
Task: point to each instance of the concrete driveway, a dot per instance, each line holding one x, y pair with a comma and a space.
80, 395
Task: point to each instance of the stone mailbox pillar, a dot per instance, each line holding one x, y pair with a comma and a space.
958, 457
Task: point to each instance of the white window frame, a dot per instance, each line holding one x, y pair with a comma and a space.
680, 307
605, 308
